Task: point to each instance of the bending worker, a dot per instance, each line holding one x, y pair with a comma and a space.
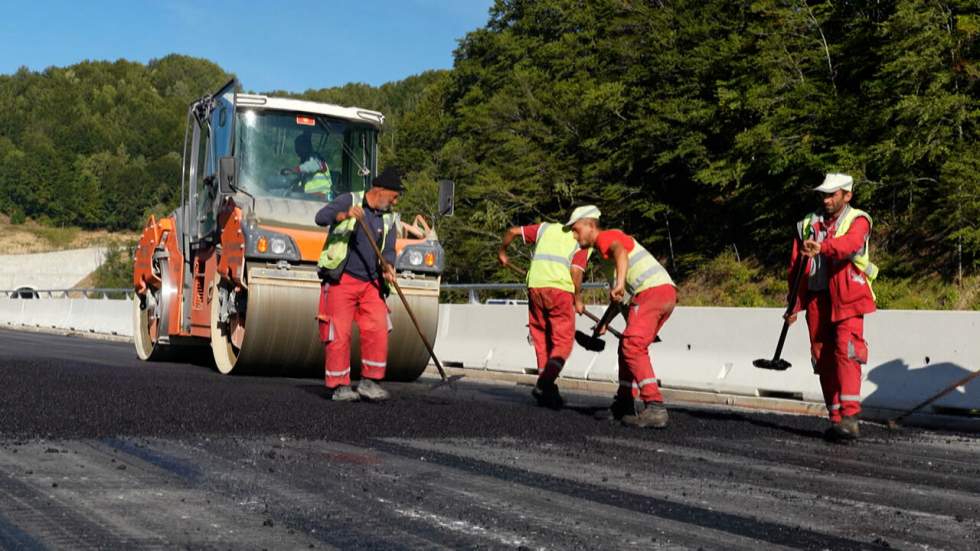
635, 271
836, 295
354, 285
553, 280
313, 170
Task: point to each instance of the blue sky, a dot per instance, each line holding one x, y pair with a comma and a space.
290, 45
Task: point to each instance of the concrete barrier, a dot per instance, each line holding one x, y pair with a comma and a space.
111, 317
913, 354
11, 311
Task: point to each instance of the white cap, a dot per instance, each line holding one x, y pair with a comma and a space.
588, 211
834, 181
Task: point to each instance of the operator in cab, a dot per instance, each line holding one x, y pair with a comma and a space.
312, 170
354, 285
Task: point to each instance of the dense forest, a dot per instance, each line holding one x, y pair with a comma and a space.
698, 126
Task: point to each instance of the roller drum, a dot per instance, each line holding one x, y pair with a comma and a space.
282, 336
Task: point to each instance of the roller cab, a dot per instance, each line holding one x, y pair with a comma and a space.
233, 269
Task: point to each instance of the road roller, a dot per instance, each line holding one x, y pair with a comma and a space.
233, 268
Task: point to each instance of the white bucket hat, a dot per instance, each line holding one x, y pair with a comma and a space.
588, 211
834, 181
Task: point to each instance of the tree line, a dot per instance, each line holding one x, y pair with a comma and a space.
698, 126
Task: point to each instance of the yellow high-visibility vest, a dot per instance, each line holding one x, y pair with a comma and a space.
554, 248
333, 257
643, 272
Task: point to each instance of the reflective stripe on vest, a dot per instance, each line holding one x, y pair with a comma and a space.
862, 258
643, 271
554, 249
335, 248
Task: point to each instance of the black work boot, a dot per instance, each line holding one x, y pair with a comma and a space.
653, 416
344, 393
620, 408
845, 431
547, 395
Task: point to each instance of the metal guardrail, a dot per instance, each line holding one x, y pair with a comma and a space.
91, 292
105, 292
474, 289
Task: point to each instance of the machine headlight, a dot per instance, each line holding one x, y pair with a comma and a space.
264, 243
277, 245
426, 257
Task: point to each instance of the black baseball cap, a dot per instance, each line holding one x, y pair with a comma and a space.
390, 178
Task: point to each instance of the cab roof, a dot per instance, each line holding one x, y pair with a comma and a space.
354, 114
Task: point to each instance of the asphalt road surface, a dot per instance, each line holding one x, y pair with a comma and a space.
99, 450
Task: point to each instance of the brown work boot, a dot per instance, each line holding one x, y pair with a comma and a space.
653, 416
344, 393
847, 430
620, 408
372, 391
547, 395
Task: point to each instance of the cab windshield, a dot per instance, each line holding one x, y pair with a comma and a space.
302, 155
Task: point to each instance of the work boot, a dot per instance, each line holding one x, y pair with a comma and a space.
372, 391
845, 431
620, 408
654, 416
547, 395
344, 393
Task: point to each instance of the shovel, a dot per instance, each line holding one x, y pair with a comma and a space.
777, 363
428, 346
592, 342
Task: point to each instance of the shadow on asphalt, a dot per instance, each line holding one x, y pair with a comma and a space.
742, 418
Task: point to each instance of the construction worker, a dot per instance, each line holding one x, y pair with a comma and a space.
633, 270
313, 170
553, 280
836, 295
353, 289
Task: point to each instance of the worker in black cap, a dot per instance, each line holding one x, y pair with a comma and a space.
352, 289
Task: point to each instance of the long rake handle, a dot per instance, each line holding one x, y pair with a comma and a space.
937, 396
401, 295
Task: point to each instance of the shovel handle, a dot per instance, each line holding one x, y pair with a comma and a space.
517, 269
596, 319
793, 293
401, 295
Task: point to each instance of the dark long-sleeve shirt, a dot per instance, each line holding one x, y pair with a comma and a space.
362, 262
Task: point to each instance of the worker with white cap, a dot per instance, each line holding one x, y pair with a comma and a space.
836, 294
631, 269
554, 278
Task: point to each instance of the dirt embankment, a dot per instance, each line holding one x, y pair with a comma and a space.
32, 237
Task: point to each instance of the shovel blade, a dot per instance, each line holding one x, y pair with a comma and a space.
448, 382
777, 364
588, 342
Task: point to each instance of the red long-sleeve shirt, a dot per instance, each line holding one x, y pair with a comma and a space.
850, 291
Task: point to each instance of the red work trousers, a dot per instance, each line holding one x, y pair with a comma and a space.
837, 351
341, 304
551, 323
648, 312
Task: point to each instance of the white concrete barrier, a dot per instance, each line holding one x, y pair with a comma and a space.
913, 354
112, 317
11, 311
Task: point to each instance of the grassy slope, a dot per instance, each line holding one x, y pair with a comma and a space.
31, 237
